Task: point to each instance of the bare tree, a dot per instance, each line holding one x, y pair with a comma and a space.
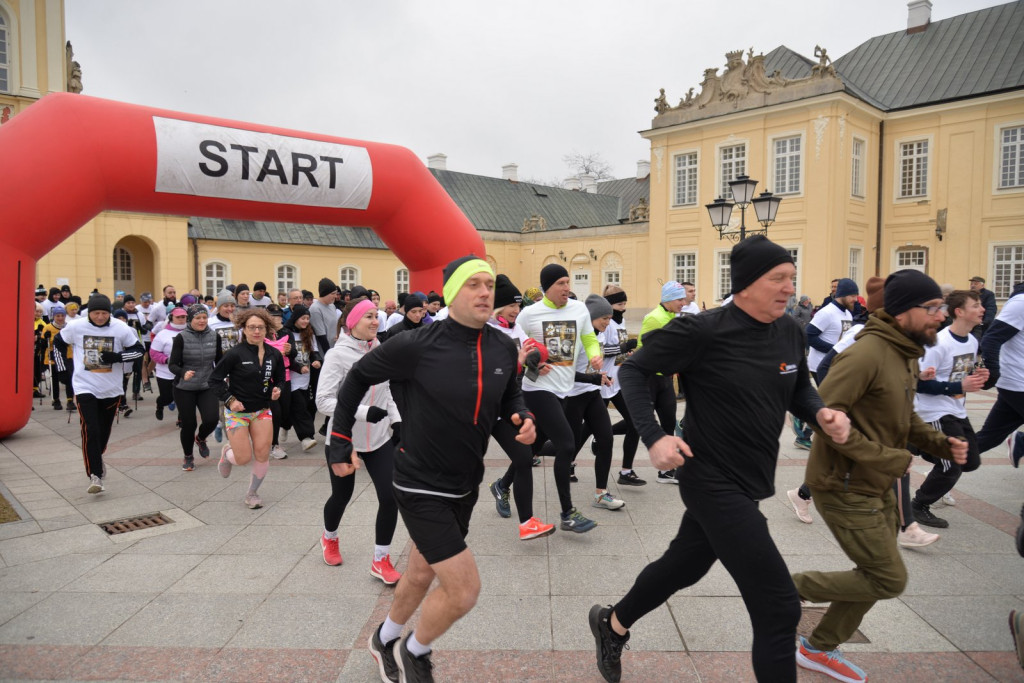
547, 182
592, 163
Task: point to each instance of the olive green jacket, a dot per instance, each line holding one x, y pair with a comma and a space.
873, 382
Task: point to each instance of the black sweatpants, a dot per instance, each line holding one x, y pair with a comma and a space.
1006, 416
663, 396
55, 381
622, 427
96, 416
166, 389
519, 474
722, 523
380, 465
549, 411
589, 408
136, 377
208, 405
946, 473
301, 413
280, 413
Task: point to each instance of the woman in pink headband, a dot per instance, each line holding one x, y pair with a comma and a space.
373, 437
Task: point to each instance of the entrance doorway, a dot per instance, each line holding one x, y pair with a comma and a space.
133, 266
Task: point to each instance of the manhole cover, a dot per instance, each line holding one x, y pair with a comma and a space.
137, 523
811, 616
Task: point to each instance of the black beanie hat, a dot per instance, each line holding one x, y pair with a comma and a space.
298, 310
752, 258
505, 293
550, 274
326, 286
193, 310
905, 289
127, 298
241, 288
413, 301
402, 296
260, 285
433, 297
99, 302
359, 291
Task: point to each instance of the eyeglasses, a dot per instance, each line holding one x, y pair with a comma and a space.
932, 310
257, 328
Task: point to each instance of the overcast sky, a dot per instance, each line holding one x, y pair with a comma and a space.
487, 83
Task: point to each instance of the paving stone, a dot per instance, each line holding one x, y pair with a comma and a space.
186, 620
976, 623
73, 618
502, 622
87, 538
135, 573
236, 574
305, 621
49, 575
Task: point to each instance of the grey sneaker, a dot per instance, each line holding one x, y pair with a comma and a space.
224, 466
609, 643
95, 485
607, 501
278, 453
574, 521
253, 501
384, 654
501, 499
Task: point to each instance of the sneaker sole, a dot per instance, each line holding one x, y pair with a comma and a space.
668, 481
594, 617
379, 658
254, 506
903, 544
537, 534
814, 666
95, 488
385, 581
578, 529
631, 483
796, 510
602, 506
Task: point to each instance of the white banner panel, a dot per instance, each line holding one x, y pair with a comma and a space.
214, 161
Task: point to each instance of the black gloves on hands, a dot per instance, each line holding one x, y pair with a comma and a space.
375, 414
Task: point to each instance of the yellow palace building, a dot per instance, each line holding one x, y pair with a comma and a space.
908, 151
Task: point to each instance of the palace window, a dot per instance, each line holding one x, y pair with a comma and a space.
914, 169
857, 168
401, 280
732, 162
1011, 156
287, 278
1007, 269
215, 277
915, 258
787, 165
684, 267
348, 277
686, 179
724, 280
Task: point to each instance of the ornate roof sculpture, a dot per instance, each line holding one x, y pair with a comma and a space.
746, 85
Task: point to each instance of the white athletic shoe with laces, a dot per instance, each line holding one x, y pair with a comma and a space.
277, 453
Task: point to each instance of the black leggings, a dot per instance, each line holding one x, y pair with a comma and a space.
663, 396
550, 413
166, 395
380, 465
301, 414
280, 412
946, 473
622, 427
721, 523
589, 408
96, 416
519, 474
188, 402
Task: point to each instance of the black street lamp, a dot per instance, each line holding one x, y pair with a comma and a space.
766, 207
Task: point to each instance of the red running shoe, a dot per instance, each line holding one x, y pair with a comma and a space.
332, 555
384, 571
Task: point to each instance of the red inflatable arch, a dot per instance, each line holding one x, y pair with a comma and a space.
69, 157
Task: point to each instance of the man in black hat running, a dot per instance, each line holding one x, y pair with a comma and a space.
461, 373
743, 368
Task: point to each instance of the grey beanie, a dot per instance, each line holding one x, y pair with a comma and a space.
598, 306
225, 297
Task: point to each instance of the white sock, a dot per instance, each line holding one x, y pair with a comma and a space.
415, 647
330, 535
625, 471
380, 552
390, 630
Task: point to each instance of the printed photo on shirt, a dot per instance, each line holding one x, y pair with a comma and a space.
92, 347
560, 340
847, 324
963, 365
228, 337
623, 340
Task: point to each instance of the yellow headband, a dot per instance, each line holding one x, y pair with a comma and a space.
463, 273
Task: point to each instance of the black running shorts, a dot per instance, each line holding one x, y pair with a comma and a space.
437, 524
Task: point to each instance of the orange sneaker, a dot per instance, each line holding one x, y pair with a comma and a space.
385, 571
831, 663
332, 555
534, 528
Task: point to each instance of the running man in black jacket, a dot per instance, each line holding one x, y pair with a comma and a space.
743, 368
460, 373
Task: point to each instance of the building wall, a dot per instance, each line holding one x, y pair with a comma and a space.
36, 48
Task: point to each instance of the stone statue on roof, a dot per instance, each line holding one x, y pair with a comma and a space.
74, 70
824, 66
660, 102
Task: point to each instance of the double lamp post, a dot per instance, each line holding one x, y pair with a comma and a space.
766, 206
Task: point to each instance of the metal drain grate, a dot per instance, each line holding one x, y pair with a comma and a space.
137, 523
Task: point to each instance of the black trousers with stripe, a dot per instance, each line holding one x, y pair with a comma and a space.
96, 416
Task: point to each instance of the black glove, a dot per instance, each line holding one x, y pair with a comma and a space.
630, 345
375, 414
110, 357
396, 433
338, 450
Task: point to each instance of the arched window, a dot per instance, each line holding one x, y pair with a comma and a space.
287, 278
122, 265
215, 277
5, 53
348, 277
401, 280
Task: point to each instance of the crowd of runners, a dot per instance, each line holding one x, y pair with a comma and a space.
537, 370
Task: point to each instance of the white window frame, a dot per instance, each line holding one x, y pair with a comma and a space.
293, 284
858, 168
994, 269
342, 281
611, 276
896, 265
675, 269
227, 275
723, 183
723, 287
401, 280
13, 51
693, 169
796, 251
855, 266
997, 176
898, 170
773, 154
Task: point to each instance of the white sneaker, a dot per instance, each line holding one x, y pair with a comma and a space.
948, 499
801, 507
283, 435
308, 443
607, 501
96, 484
915, 537
277, 453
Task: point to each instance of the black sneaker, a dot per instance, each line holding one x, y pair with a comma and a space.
412, 669
609, 643
501, 499
384, 655
572, 474
923, 515
159, 412
146, 386
38, 394
71, 405
57, 405
189, 464
630, 479
667, 477
1020, 540
204, 450
125, 410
